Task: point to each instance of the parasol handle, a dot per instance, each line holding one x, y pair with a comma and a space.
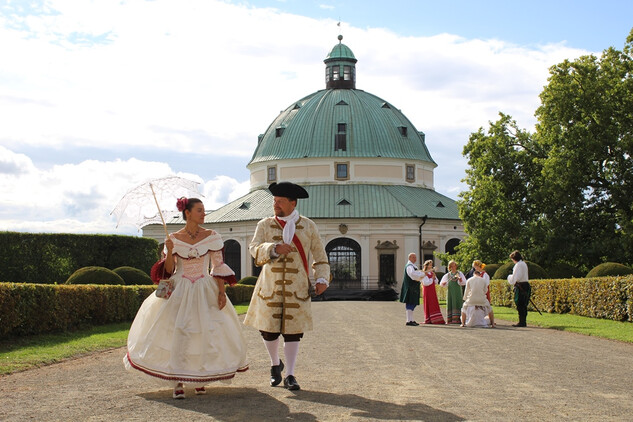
159, 211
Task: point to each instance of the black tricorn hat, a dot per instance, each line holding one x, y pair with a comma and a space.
288, 190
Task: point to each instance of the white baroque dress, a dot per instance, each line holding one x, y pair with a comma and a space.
187, 338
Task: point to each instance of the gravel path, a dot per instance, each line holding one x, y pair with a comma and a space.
361, 363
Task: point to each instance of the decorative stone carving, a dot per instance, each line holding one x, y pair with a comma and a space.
342, 228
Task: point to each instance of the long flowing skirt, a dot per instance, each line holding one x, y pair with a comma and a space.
454, 303
476, 315
432, 311
187, 338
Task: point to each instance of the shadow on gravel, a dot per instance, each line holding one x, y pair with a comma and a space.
376, 409
231, 405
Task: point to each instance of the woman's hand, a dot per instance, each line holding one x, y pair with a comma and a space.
221, 300
169, 244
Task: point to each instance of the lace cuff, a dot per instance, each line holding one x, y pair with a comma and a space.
225, 273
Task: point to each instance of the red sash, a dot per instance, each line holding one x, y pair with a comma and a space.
295, 240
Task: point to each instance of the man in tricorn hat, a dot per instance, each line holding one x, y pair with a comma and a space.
280, 304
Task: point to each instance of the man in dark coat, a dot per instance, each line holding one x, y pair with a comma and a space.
410, 293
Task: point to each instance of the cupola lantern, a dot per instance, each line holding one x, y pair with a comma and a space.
340, 67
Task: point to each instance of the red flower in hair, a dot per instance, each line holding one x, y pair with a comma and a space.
181, 204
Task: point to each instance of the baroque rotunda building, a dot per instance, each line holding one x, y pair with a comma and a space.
369, 175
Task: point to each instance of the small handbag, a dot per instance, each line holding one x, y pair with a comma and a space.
165, 288
159, 276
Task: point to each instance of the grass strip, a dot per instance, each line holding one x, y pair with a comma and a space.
21, 353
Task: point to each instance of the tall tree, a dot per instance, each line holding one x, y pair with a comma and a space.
585, 122
497, 209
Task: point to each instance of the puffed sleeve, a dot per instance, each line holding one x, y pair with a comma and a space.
427, 281
220, 270
462, 279
444, 281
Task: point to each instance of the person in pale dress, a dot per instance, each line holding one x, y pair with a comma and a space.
476, 306
194, 337
453, 280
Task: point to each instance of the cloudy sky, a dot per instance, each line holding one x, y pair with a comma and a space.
98, 96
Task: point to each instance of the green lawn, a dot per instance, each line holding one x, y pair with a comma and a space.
28, 352
22, 353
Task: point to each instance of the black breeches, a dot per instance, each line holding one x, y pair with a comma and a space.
287, 337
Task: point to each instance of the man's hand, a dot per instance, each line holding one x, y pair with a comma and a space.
319, 288
284, 249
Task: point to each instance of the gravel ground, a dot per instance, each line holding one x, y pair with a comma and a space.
361, 363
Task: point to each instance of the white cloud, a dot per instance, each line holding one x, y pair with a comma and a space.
206, 77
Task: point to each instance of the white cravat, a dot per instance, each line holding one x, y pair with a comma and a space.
289, 228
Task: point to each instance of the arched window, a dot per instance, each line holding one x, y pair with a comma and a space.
344, 257
451, 245
233, 257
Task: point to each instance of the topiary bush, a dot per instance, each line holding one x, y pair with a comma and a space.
491, 269
535, 271
133, 276
563, 270
609, 269
248, 281
94, 275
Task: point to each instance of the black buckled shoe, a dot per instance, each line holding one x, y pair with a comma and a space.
290, 382
275, 373
412, 324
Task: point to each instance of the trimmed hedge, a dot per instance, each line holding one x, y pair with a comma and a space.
248, 281
609, 268
535, 271
95, 275
603, 297
52, 257
133, 276
27, 309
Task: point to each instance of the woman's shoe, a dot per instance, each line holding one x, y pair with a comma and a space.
179, 392
201, 390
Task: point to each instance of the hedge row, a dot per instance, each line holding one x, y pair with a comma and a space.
27, 309
603, 297
51, 257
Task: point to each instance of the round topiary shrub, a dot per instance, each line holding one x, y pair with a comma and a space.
491, 269
564, 270
248, 281
133, 276
94, 275
609, 268
535, 271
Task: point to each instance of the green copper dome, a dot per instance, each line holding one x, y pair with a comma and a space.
372, 128
341, 52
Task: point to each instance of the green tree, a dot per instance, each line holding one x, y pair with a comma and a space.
497, 209
585, 123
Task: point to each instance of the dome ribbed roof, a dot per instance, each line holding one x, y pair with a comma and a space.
374, 128
341, 52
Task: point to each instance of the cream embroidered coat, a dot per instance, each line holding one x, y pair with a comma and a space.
281, 300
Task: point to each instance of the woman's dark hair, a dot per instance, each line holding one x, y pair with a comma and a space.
516, 256
190, 202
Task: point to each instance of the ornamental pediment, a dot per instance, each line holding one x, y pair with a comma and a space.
387, 245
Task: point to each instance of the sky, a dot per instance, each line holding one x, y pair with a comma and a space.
98, 96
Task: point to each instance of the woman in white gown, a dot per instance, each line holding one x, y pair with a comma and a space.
194, 337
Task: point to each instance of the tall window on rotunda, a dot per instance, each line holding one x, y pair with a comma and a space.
340, 138
327, 74
410, 173
336, 70
347, 73
272, 174
342, 171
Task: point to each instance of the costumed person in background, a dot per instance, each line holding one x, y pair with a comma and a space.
410, 292
281, 301
453, 280
522, 289
432, 311
476, 306
480, 266
194, 336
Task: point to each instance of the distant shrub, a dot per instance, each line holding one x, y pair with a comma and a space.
239, 293
248, 281
563, 270
535, 271
491, 269
94, 275
609, 269
133, 276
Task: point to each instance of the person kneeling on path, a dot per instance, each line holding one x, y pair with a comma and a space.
522, 289
410, 292
280, 304
476, 305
